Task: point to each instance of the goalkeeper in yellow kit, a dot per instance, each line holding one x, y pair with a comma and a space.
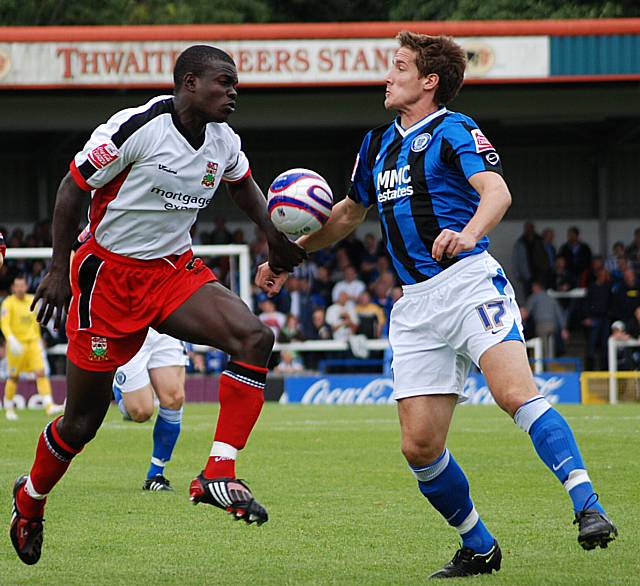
24, 347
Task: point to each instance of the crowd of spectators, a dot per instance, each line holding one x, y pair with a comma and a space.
348, 290
610, 286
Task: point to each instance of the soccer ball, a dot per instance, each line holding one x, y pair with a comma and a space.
299, 202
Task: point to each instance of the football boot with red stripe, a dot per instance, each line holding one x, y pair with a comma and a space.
231, 495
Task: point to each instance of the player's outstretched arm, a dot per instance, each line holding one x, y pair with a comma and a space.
54, 292
284, 255
345, 217
495, 200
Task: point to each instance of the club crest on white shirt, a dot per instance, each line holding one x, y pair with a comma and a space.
209, 178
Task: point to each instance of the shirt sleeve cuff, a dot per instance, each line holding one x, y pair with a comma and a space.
78, 178
247, 174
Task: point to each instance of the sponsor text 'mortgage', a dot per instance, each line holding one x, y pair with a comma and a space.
183, 198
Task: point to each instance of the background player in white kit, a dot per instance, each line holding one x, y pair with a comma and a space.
157, 370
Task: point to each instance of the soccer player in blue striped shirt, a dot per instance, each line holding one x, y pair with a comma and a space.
437, 183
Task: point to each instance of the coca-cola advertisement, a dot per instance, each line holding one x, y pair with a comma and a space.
561, 387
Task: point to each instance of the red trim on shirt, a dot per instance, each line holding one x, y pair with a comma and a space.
79, 179
247, 174
104, 196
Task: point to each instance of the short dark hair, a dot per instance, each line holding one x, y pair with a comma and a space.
440, 55
196, 59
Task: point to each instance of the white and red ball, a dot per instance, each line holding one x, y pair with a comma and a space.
299, 202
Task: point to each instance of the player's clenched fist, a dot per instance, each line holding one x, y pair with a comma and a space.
450, 243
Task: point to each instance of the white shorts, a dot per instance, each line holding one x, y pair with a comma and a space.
158, 350
441, 325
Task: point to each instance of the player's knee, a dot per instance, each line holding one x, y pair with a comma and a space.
173, 401
422, 451
511, 401
259, 340
140, 413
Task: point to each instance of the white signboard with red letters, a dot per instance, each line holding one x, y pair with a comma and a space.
274, 62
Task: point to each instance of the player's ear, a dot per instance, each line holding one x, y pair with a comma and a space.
430, 81
189, 82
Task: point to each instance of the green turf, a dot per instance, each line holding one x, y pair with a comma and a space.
344, 509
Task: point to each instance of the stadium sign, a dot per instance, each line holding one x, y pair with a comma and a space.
372, 389
277, 62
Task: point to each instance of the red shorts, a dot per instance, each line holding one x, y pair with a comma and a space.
116, 298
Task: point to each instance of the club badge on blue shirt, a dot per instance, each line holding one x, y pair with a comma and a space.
420, 142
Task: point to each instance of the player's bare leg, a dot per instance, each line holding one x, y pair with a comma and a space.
424, 423
509, 377
88, 398
216, 317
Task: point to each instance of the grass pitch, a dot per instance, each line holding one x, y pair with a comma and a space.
343, 507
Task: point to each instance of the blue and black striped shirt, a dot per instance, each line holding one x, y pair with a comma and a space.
419, 179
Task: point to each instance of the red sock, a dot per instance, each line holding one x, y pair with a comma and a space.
241, 395
53, 456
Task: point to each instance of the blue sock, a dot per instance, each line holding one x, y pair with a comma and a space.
446, 487
117, 395
554, 441
165, 435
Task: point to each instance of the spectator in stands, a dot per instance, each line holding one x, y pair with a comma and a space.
259, 248
354, 249
563, 280
547, 318
627, 357
269, 316
342, 317
382, 297
38, 271
633, 250
291, 331
289, 363
633, 326
42, 232
617, 253
578, 256
350, 285
529, 261
320, 329
625, 297
383, 270
596, 320
369, 259
323, 285
370, 315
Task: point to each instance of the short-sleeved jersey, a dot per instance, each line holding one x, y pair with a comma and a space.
18, 320
150, 178
418, 178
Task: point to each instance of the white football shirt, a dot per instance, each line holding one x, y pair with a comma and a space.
149, 178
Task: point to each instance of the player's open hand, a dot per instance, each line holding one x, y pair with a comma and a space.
53, 294
284, 255
450, 243
269, 281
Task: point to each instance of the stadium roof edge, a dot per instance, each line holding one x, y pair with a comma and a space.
340, 30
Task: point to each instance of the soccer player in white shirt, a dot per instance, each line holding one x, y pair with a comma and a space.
149, 171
